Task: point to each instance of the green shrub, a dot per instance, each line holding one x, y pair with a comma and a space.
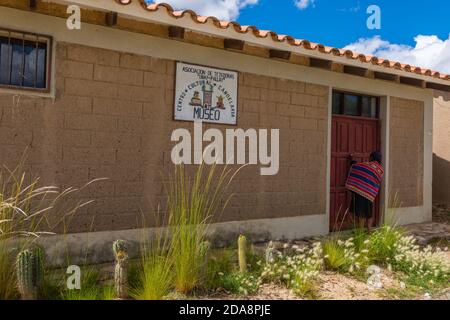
220, 262
254, 261
240, 283
298, 271
304, 283
423, 267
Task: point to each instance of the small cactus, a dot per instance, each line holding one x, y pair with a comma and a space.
269, 254
30, 272
242, 244
120, 271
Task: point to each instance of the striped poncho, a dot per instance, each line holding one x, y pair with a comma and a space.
365, 179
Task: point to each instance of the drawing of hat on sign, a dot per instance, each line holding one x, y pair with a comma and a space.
195, 100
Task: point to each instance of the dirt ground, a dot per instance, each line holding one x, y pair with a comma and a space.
331, 286
334, 286
441, 213
340, 287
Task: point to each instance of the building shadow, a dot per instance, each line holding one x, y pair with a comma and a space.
441, 180
445, 95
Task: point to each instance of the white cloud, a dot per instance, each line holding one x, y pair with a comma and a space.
354, 9
222, 9
430, 51
303, 4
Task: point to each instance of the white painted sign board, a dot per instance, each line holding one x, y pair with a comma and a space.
205, 94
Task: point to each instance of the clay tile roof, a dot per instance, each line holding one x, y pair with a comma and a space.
288, 39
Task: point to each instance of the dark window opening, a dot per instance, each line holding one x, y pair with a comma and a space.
24, 60
355, 105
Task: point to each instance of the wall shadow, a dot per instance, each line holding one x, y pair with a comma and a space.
441, 180
445, 95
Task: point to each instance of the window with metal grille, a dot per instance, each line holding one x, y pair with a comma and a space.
24, 60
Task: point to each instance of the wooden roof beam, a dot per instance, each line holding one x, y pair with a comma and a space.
233, 44
111, 19
279, 54
176, 32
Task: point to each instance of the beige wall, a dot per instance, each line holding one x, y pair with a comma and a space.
441, 148
112, 118
406, 153
113, 39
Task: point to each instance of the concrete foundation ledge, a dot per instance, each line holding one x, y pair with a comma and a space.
95, 247
404, 216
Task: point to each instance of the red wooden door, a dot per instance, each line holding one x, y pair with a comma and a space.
349, 135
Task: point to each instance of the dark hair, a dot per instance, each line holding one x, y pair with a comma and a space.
375, 156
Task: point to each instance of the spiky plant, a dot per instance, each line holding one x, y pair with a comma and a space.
121, 270
30, 272
242, 253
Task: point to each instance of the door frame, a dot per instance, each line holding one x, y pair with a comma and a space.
384, 116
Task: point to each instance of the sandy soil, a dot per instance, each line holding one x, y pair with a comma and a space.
332, 286
340, 287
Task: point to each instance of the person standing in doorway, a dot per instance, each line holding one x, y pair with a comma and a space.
364, 181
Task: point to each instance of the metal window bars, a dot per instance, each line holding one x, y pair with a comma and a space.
39, 65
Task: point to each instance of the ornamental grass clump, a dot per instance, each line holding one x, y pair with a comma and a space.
27, 211
383, 242
192, 202
154, 279
8, 289
298, 272
345, 256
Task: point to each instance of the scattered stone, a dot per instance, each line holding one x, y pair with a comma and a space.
425, 233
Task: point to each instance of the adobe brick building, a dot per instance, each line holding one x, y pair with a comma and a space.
441, 148
99, 102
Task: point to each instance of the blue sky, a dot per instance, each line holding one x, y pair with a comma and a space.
414, 32
340, 22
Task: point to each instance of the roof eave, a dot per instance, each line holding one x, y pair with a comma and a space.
135, 10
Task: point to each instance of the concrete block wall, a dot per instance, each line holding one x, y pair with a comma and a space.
441, 148
112, 117
406, 153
